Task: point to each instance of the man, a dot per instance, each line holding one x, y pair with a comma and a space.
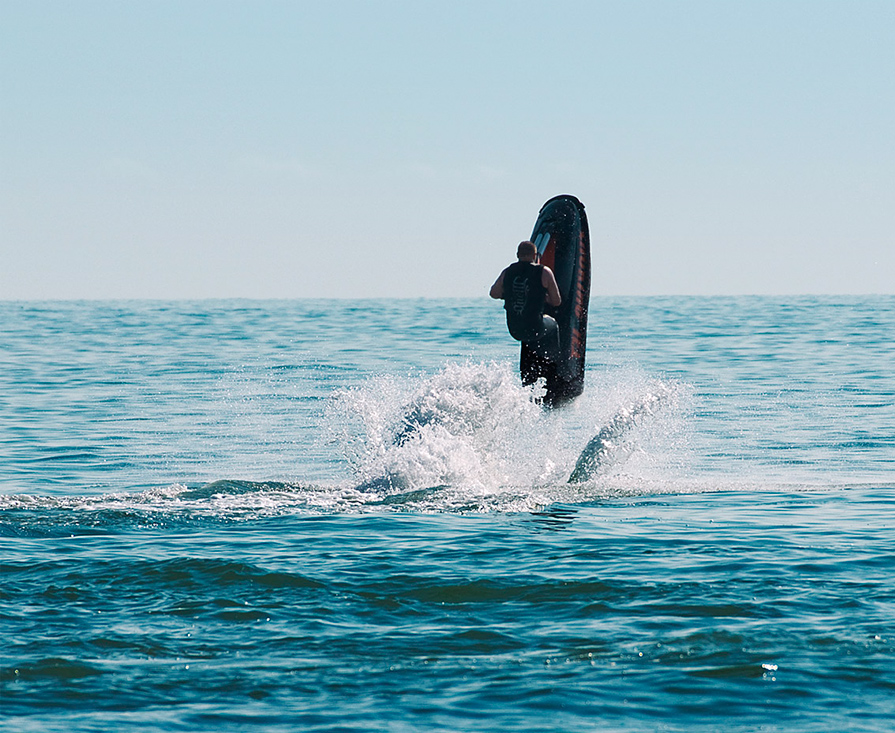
525, 287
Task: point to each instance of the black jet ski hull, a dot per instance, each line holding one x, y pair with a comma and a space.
563, 241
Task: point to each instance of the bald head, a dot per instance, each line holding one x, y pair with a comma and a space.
526, 251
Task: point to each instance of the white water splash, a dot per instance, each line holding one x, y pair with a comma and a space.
602, 449
465, 425
473, 429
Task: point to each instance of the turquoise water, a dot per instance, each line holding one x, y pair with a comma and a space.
349, 515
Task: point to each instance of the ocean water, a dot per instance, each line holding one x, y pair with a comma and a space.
350, 516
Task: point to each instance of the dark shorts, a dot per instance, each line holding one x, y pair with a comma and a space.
547, 344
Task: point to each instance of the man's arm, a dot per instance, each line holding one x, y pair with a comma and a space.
496, 291
549, 282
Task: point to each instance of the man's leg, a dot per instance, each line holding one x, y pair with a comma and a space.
548, 345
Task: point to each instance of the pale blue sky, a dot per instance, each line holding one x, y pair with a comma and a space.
197, 149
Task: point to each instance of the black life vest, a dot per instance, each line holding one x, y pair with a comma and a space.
524, 296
